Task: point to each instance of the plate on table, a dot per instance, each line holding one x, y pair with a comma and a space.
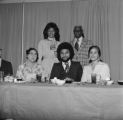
19, 81
68, 80
120, 82
77, 83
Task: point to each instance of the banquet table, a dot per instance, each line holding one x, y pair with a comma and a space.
44, 101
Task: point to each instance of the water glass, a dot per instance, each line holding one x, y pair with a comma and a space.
38, 77
93, 78
1, 76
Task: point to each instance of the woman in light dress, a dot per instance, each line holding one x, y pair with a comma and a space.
48, 46
28, 71
95, 66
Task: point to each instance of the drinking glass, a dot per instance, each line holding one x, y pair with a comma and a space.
1, 76
93, 78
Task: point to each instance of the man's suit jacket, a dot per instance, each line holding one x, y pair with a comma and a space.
82, 54
75, 71
6, 67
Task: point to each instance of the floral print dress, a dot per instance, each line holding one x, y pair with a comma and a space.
28, 73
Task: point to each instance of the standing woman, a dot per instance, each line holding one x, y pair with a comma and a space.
95, 66
48, 46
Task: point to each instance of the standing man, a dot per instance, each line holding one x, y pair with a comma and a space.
5, 66
81, 46
66, 69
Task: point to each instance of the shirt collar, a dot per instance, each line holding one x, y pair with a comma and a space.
79, 40
64, 65
51, 39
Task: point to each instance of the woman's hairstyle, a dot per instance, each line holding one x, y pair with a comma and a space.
30, 49
65, 45
56, 29
81, 29
98, 50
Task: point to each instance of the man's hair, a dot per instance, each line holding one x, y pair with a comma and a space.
65, 45
81, 29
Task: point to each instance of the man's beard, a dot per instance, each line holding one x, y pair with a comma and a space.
65, 60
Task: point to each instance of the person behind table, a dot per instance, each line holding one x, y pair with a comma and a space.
5, 66
30, 68
96, 66
80, 45
47, 47
66, 69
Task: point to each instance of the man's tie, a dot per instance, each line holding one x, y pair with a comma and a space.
77, 45
67, 67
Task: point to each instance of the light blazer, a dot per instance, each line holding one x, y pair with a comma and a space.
82, 54
6, 67
75, 71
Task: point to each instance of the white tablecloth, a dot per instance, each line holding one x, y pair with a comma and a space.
42, 102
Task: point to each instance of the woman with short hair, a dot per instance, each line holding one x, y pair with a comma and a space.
30, 69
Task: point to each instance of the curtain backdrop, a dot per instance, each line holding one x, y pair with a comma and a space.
121, 44
11, 32
22, 24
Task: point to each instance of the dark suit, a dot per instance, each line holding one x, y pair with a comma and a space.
6, 67
75, 71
